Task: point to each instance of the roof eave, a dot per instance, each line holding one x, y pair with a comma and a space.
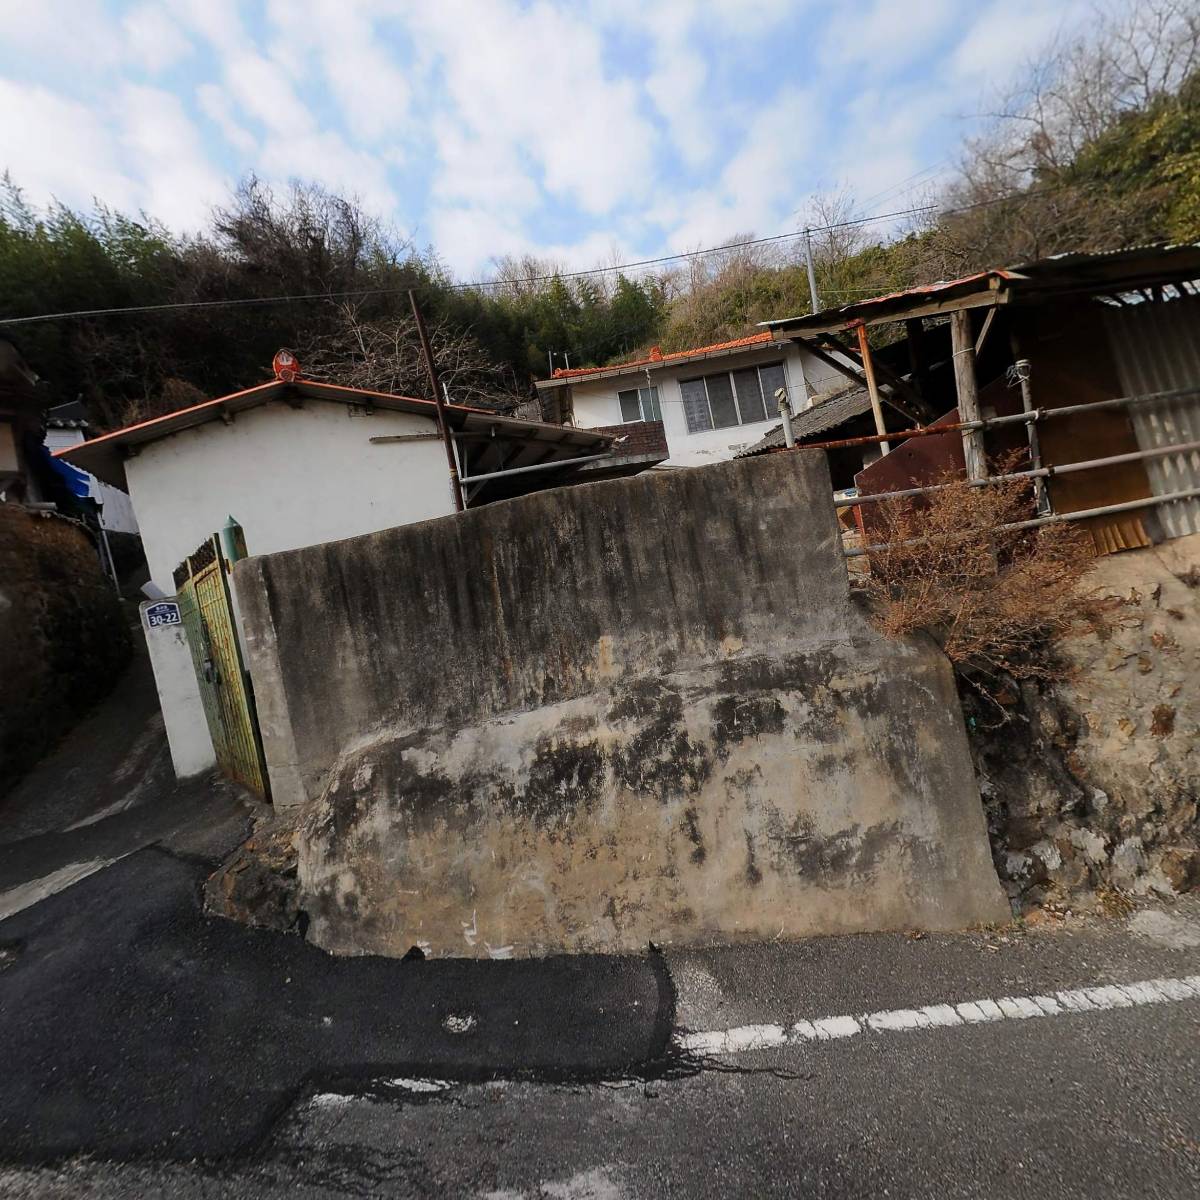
637, 369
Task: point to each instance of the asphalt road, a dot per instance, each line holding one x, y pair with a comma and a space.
149, 1050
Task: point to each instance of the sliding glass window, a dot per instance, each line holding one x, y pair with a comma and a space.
731, 398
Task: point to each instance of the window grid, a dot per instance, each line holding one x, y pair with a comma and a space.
731, 382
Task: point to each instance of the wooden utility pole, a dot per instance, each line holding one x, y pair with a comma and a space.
439, 402
864, 349
962, 342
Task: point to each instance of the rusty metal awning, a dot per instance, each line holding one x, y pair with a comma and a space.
1111, 272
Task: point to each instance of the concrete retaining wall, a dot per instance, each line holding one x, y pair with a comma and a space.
641, 709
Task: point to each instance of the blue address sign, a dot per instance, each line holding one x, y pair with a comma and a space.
163, 613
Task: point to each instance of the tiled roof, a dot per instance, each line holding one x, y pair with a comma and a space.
843, 406
656, 356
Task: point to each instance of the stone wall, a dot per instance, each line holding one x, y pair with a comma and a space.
1093, 781
63, 637
637, 710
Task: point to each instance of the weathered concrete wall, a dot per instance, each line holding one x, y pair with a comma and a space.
63, 638
641, 709
1095, 780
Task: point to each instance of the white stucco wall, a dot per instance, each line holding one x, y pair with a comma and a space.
596, 404
178, 696
291, 477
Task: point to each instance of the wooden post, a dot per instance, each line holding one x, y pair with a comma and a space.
864, 349
962, 342
439, 402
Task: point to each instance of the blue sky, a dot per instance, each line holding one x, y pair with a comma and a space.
587, 131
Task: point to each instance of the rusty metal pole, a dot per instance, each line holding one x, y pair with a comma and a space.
864, 348
439, 402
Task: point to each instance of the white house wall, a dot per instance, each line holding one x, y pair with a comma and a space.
291, 477
596, 404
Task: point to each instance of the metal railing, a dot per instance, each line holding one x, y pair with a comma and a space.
1039, 473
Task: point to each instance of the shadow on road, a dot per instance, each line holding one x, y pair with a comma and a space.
133, 1025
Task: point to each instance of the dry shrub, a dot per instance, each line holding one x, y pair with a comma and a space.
996, 600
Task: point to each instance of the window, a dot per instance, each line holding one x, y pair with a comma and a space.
640, 405
730, 398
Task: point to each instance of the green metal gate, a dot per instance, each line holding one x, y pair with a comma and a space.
206, 609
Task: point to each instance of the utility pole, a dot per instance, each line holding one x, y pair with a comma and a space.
438, 401
812, 277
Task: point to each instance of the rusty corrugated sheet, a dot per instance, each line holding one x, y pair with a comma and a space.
1068, 349
1157, 349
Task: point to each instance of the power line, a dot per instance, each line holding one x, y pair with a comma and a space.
131, 309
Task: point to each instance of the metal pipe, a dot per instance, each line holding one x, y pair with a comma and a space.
1024, 369
1037, 474
864, 350
1058, 518
112, 566
785, 415
1038, 414
546, 466
439, 402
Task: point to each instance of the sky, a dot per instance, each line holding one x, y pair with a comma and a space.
587, 131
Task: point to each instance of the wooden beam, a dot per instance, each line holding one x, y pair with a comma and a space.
932, 308
987, 325
404, 437
918, 410
857, 376
869, 370
962, 341
918, 359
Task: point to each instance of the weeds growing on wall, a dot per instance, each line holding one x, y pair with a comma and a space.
996, 600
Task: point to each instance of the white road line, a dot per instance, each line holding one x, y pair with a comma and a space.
968, 1012
34, 891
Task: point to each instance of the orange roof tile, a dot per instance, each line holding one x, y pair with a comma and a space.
656, 356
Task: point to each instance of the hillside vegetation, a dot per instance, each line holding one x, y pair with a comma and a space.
1099, 147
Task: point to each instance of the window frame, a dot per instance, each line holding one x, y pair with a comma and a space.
650, 391
729, 374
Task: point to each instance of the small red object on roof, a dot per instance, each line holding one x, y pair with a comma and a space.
286, 366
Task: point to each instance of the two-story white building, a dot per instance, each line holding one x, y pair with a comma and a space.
713, 401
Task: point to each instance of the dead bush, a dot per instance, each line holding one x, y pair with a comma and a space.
995, 599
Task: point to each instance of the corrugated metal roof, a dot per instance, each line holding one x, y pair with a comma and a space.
1109, 270
1157, 349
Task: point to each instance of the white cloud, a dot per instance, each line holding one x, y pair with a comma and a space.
534, 82
153, 39
887, 35
57, 147
215, 104
80, 33
178, 183
1006, 33
372, 92
761, 186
